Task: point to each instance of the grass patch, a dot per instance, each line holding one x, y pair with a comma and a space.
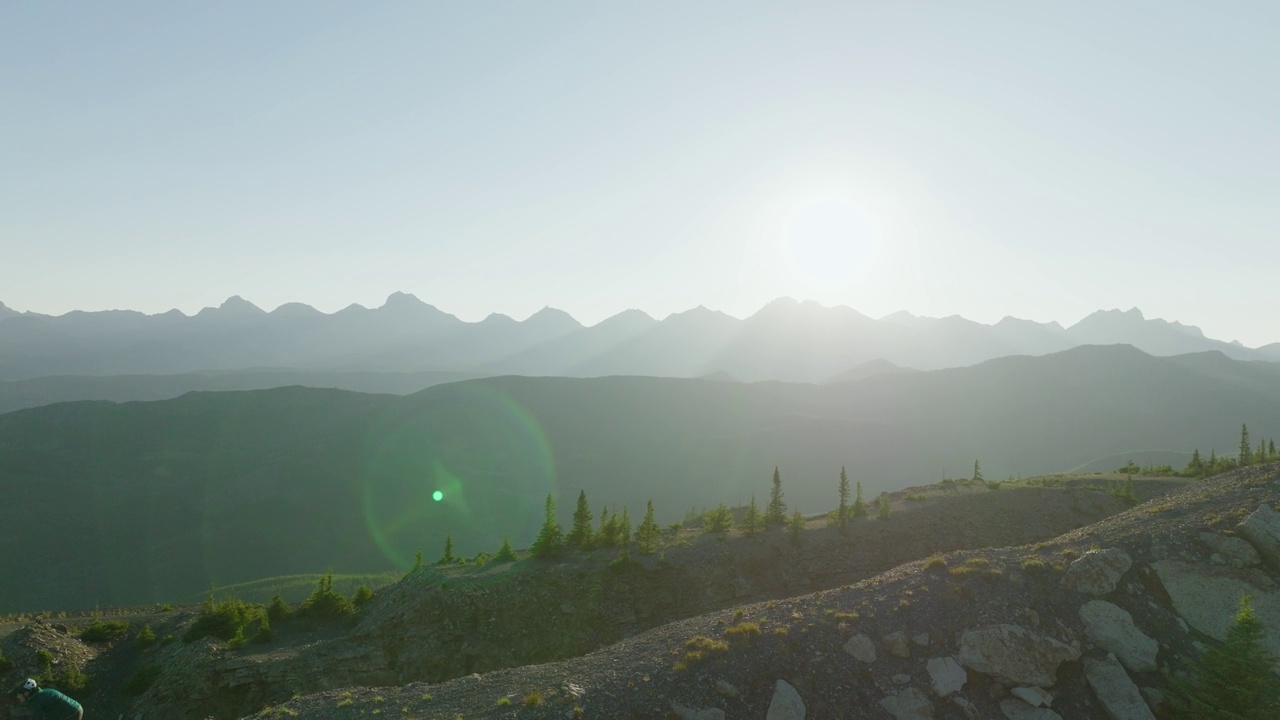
745, 630
533, 699
935, 563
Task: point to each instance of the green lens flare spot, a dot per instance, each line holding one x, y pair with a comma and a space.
437, 496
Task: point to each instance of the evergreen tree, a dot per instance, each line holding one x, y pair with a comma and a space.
1271, 448
751, 519
549, 537
604, 536
505, 553
1246, 449
842, 512
1195, 468
581, 535
648, 532
977, 472
859, 507
883, 514
718, 520
1213, 462
796, 526
1261, 455
447, 557
775, 513
1234, 681
624, 528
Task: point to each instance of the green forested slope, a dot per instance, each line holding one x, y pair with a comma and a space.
114, 504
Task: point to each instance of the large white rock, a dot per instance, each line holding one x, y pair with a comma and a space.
945, 676
786, 703
910, 704
1262, 528
1113, 630
1209, 597
1097, 571
1032, 695
1119, 696
1234, 550
1014, 654
861, 648
1015, 709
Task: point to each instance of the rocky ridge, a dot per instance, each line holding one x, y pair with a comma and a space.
1092, 624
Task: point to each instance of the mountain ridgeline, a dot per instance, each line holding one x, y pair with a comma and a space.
152, 501
786, 340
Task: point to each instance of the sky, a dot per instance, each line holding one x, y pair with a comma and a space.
1040, 160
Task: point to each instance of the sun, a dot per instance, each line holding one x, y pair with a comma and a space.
828, 243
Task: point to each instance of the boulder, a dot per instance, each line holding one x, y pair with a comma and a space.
861, 648
910, 704
1113, 630
970, 711
1015, 709
1032, 695
945, 676
1262, 528
921, 639
1014, 654
1234, 550
896, 644
786, 703
1119, 696
1096, 572
1208, 598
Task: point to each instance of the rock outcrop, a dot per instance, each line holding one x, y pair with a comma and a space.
910, 704
1117, 693
1262, 528
945, 676
1014, 654
1113, 630
786, 703
1096, 572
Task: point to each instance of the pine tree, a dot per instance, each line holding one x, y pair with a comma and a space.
549, 537
505, 553
751, 519
1234, 681
1245, 448
417, 561
775, 513
447, 557
648, 532
1261, 455
859, 507
718, 520
1271, 448
1195, 468
604, 536
883, 514
977, 472
843, 510
624, 528
1213, 462
581, 535
796, 526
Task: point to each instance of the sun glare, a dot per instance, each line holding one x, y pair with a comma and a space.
828, 244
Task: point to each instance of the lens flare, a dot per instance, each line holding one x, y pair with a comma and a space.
470, 442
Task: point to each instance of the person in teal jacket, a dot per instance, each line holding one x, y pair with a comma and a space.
47, 704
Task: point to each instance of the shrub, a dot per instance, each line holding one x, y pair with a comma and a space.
103, 630
325, 602
278, 610
743, 630
719, 520
935, 563
505, 553
146, 637
264, 634
533, 699
224, 620
362, 595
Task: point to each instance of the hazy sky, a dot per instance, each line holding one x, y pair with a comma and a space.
981, 158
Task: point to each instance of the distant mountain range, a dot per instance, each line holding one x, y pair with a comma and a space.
155, 500
786, 340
